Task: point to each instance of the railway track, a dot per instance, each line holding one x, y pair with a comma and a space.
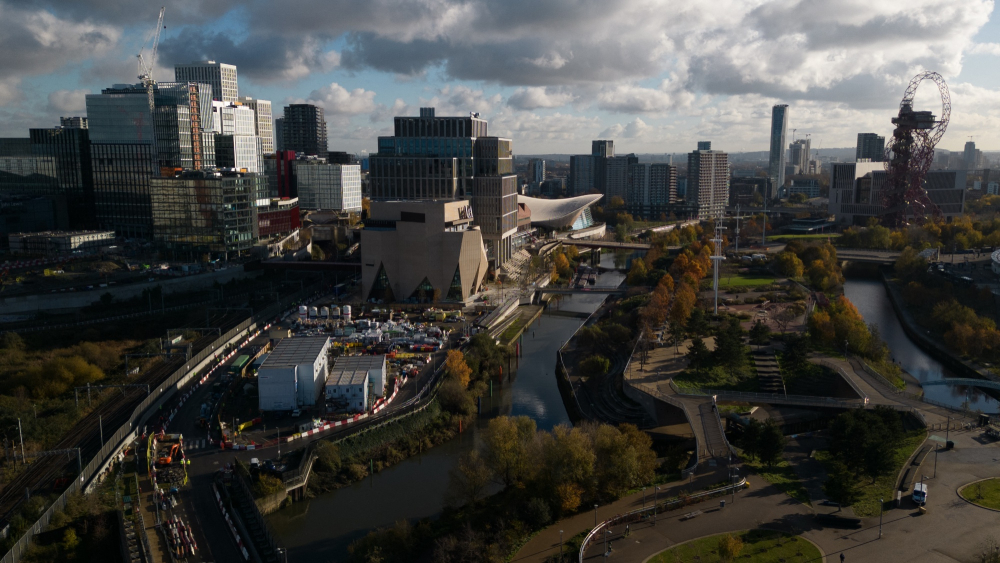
41, 475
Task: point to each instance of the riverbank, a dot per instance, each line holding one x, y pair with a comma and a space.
919, 336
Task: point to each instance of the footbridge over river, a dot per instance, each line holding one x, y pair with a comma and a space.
867, 256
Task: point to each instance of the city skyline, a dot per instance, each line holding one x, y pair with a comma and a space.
676, 77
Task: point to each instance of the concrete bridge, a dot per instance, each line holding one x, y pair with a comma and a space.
606, 244
868, 256
574, 290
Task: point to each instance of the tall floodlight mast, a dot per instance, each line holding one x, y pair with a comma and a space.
717, 257
910, 154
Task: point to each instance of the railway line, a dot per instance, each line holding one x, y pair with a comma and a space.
44, 475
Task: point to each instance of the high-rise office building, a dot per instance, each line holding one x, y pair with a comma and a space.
304, 129
776, 158
602, 148
280, 174
220, 76
263, 122
428, 157
236, 142
798, 154
73, 122
871, 146
122, 172
616, 176
121, 114
581, 173
279, 134
536, 171
70, 150
324, 186
708, 182
856, 191
971, 156
198, 212
602, 151
494, 197
652, 188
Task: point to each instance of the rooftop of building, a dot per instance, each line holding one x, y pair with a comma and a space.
290, 352
62, 233
352, 370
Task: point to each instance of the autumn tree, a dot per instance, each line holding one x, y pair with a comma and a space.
637, 273
456, 368
469, 480
788, 264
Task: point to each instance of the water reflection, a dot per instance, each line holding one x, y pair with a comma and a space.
872, 302
320, 529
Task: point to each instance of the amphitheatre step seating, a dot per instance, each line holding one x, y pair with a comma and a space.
768, 373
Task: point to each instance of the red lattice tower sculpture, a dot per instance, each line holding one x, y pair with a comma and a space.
910, 154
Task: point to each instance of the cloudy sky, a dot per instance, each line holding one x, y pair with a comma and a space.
655, 75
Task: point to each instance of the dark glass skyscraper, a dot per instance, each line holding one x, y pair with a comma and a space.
870, 146
303, 129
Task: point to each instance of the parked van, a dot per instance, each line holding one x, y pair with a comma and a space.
920, 494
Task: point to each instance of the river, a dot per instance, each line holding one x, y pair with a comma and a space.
320, 529
872, 302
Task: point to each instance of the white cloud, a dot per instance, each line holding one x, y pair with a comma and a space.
460, 100
68, 101
984, 49
538, 97
339, 101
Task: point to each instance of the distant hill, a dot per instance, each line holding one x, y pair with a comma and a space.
840, 154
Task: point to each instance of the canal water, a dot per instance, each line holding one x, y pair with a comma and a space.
321, 529
870, 298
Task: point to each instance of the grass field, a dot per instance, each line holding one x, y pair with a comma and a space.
783, 477
718, 377
984, 493
759, 546
744, 280
885, 486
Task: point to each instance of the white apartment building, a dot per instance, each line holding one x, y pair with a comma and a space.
263, 122
331, 187
220, 76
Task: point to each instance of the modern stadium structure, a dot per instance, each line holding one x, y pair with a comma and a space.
570, 214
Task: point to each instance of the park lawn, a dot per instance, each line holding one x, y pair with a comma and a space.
984, 493
783, 477
718, 377
759, 546
885, 486
745, 280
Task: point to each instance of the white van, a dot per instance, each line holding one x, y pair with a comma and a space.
920, 494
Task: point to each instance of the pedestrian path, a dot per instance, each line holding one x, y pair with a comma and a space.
546, 543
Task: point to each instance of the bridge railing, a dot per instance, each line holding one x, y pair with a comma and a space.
845, 377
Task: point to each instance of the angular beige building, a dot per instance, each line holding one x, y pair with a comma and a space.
421, 251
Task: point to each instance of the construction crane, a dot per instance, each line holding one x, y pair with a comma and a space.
146, 71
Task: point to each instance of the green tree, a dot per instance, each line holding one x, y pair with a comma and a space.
698, 322
469, 480
772, 443
841, 486
759, 333
595, 366
910, 266
698, 355
507, 443
749, 441
637, 273
729, 348
796, 353
567, 465
327, 456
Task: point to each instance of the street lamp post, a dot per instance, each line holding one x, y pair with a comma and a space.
881, 504
595, 515
560, 546
644, 499
655, 495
